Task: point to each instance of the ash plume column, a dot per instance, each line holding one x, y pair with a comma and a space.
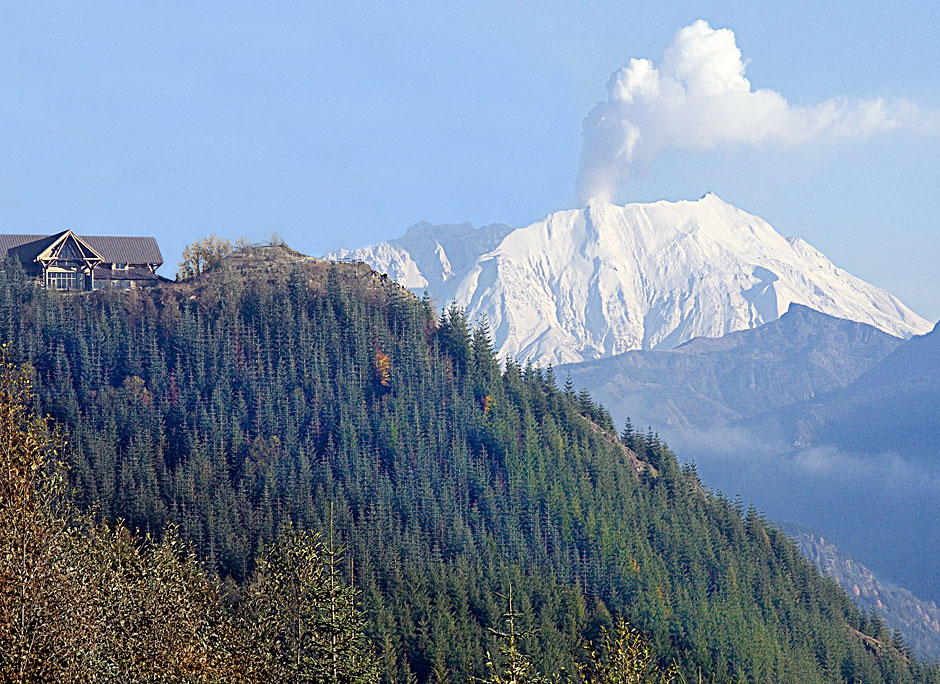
697, 98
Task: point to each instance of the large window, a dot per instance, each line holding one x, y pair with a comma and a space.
108, 284
69, 252
65, 280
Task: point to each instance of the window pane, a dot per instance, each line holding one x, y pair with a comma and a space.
69, 251
60, 280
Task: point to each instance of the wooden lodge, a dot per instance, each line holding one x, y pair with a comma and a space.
66, 261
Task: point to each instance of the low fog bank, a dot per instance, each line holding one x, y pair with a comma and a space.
883, 509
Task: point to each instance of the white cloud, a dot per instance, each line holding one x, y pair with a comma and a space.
698, 97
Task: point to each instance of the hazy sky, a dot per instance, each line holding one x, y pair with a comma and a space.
337, 127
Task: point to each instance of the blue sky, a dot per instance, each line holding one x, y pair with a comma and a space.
340, 126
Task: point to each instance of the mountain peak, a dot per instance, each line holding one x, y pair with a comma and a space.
424, 228
605, 279
796, 308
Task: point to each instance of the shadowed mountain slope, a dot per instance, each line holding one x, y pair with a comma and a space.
893, 407
918, 620
709, 382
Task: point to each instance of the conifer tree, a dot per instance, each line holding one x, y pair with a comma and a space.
303, 618
513, 666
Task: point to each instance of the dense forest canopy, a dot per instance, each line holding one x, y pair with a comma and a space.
274, 388
82, 601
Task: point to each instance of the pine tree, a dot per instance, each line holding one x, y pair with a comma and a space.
513, 666
302, 618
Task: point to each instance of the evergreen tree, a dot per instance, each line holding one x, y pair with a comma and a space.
302, 618
244, 399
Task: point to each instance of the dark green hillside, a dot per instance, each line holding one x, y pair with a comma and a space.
275, 385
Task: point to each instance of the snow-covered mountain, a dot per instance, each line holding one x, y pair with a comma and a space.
593, 282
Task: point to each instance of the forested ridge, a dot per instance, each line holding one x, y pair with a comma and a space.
274, 387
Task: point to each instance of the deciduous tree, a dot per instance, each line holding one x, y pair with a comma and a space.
202, 254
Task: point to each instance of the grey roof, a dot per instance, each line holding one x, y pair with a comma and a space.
125, 250
112, 248
25, 247
124, 274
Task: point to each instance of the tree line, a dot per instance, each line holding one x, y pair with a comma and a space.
277, 390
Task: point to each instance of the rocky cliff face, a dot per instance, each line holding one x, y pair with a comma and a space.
918, 621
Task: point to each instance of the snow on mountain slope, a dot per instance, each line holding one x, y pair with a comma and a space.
428, 257
592, 282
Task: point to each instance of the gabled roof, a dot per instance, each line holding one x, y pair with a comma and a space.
126, 250
112, 248
25, 247
54, 251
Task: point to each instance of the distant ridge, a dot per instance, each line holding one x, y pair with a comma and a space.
709, 382
593, 282
901, 391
